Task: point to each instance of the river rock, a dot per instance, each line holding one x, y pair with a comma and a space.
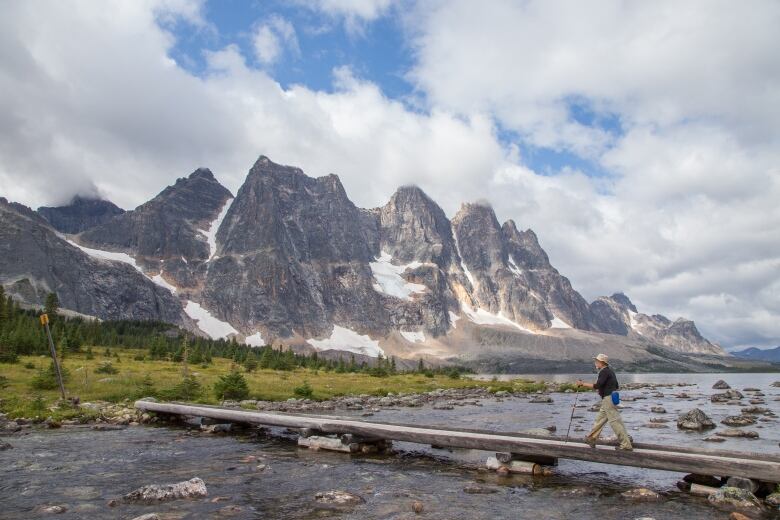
417, 507
192, 488
148, 516
743, 483
776, 384
695, 420
338, 498
735, 497
728, 395
474, 489
738, 420
714, 439
658, 409
5, 446
541, 399
658, 420
51, 510
655, 425
738, 516
640, 495
721, 385
773, 499
755, 410
732, 432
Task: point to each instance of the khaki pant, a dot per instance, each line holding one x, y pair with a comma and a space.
608, 413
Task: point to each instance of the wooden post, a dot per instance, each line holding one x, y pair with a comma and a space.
517, 466
696, 489
45, 323
538, 459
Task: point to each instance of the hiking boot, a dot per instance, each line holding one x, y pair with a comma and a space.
621, 448
590, 441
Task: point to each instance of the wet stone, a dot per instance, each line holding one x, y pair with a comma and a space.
695, 420
658, 409
640, 495
738, 420
721, 385
734, 497
192, 488
338, 498
732, 432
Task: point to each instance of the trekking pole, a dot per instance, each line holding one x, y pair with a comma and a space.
576, 397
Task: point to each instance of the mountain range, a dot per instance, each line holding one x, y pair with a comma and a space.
290, 260
771, 354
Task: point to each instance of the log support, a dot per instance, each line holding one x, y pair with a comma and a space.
345, 444
517, 466
542, 460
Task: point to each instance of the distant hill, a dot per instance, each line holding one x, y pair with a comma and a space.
771, 354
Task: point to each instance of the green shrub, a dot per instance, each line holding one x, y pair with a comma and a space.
188, 389
106, 368
8, 354
47, 379
251, 364
231, 386
29, 365
305, 390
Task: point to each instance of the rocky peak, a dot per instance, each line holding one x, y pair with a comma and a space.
524, 247
623, 301
80, 214
414, 228
280, 208
170, 226
479, 237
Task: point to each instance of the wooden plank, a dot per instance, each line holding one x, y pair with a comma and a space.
580, 441
663, 459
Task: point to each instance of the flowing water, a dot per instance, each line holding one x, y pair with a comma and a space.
83, 469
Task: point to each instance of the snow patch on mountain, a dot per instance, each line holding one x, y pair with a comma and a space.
558, 323
212, 326
453, 319
483, 317
162, 282
255, 340
513, 267
211, 233
462, 263
107, 255
389, 280
414, 337
346, 339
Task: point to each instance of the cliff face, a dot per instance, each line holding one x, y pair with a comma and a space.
81, 214
35, 260
291, 259
170, 234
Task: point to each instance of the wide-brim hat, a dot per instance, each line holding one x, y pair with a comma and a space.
603, 358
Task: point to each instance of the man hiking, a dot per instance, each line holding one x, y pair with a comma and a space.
606, 384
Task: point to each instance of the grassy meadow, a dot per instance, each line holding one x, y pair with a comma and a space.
137, 376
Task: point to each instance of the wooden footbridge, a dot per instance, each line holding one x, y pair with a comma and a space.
510, 447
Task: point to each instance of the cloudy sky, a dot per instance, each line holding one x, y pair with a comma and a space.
640, 140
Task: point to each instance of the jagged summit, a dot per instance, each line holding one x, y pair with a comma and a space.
80, 214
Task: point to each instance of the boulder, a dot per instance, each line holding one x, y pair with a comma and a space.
721, 385
743, 483
735, 497
728, 395
192, 488
738, 420
541, 399
641, 495
338, 498
695, 420
658, 409
5, 446
755, 410
733, 432
773, 499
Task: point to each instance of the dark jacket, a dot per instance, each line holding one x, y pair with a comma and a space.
606, 382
